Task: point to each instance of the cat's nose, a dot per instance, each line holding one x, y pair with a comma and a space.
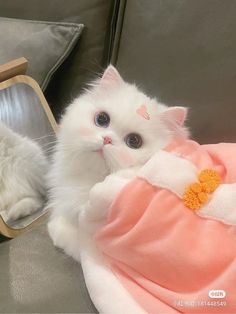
107, 140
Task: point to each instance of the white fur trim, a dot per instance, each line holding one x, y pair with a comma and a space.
105, 289
65, 236
222, 205
169, 171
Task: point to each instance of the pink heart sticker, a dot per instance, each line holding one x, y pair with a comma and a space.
142, 111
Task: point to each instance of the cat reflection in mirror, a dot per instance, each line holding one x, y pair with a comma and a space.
22, 175
105, 130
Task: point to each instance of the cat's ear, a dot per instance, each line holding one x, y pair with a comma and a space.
175, 115
111, 76
109, 80
174, 118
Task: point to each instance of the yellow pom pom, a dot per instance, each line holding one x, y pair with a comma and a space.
203, 197
195, 194
209, 175
195, 187
191, 199
210, 186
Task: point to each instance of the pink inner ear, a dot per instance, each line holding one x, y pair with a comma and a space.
111, 75
176, 114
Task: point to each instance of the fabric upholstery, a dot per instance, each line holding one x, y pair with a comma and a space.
183, 52
90, 55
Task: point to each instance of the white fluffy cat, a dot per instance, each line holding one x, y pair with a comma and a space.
22, 175
112, 127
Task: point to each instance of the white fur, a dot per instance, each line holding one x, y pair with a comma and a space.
77, 165
101, 196
105, 289
22, 175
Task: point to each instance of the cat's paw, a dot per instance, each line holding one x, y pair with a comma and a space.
128, 173
65, 236
91, 218
56, 229
103, 194
24, 207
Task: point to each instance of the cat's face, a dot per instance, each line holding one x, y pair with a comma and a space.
118, 125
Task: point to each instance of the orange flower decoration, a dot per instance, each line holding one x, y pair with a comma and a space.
196, 194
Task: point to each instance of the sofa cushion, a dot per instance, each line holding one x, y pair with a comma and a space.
44, 44
99, 17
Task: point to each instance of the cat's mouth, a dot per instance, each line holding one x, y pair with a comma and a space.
99, 151
101, 148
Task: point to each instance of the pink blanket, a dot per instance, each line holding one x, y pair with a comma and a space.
170, 258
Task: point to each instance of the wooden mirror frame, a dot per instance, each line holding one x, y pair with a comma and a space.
11, 74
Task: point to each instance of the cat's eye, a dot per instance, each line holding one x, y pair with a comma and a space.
102, 119
133, 140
